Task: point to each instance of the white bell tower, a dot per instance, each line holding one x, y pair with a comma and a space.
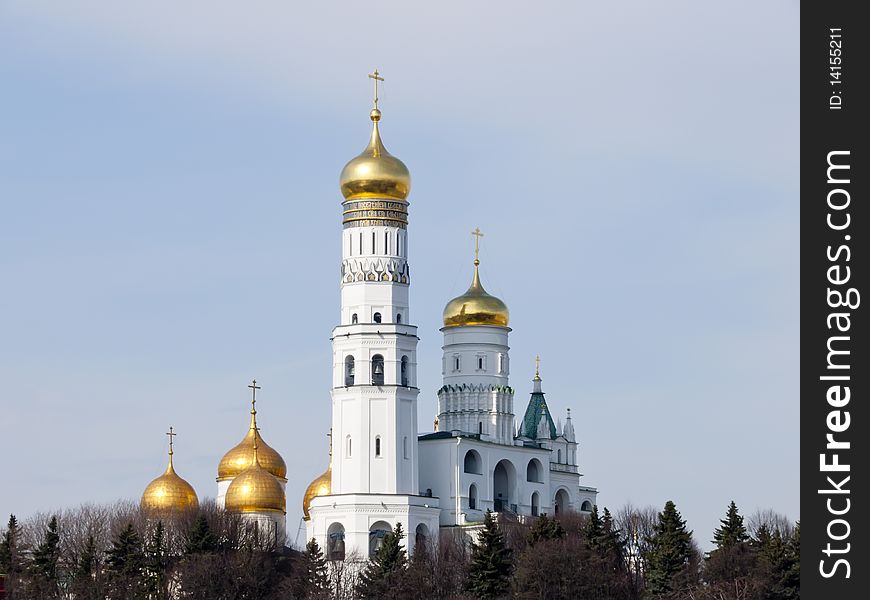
374, 375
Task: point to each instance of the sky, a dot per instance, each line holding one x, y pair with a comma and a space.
170, 226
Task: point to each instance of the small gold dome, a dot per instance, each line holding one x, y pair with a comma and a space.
255, 490
476, 307
322, 486
375, 173
169, 492
242, 456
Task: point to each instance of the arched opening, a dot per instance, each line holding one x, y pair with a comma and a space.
354, 319
403, 370
480, 428
377, 446
536, 504
399, 318
376, 317
504, 481
534, 471
377, 370
472, 497
377, 532
561, 502
349, 370
335, 542
349, 446
586, 506
472, 463
421, 537
559, 456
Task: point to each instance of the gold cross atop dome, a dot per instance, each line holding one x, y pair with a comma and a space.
254, 387
171, 433
477, 235
376, 77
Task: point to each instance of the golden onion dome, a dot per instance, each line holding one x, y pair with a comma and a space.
255, 490
241, 457
169, 492
476, 307
375, 173
322, 486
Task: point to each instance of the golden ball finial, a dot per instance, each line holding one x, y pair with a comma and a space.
375, 115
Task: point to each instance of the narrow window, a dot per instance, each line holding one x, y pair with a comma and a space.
480, 428
360, 244
376, 317
472, 497
354, 319
559, 456
480, 363
386, 242
405, 447
350, 243
349, 370
349, 447
377, 446
399, 318
456, 362
377, 370
374, 242
404, 371
501, 363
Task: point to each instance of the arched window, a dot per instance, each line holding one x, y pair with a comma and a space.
472, 497
377, 533
536, 504
349, 446
404, 371
398, 318
377, 446
349, 370
472, 463
405, 447
421, 537
480, 363
586, 506
480, 428
533, 471
456, 362
376, 317
559, 456
335, 542
354, 319
377, 370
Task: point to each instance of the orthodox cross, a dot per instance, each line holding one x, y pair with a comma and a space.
477, 235
254, 387
376, 76
171, 435
329, 435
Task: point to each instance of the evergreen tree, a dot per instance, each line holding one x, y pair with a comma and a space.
380, 575
490, 568
781, 560
313, 578
732, 530
11, 550
200, 539
87, 563
611, 546
593, 530
43, 566
545, 528
670, 551
86, 583
124, 563
156, 563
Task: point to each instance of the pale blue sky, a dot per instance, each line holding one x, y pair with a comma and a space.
170, 222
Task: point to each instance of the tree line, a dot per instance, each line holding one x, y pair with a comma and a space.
118, 553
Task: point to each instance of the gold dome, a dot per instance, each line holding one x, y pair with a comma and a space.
322, 486
375, 173
169, 492
255, 490
241, 457
476, 307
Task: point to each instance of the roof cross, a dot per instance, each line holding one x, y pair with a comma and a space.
171, 435
538, 366
477, 235
254, 387
376, 76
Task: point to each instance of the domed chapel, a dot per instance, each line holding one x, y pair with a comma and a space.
381, 471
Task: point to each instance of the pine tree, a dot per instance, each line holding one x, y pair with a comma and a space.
85, 583
670, 550
200, 539
156, 563
612, 547
593, 530
11, 550
379, 576
490, 569
43, 566
124, 563
545, 528
732, 530
314, 577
